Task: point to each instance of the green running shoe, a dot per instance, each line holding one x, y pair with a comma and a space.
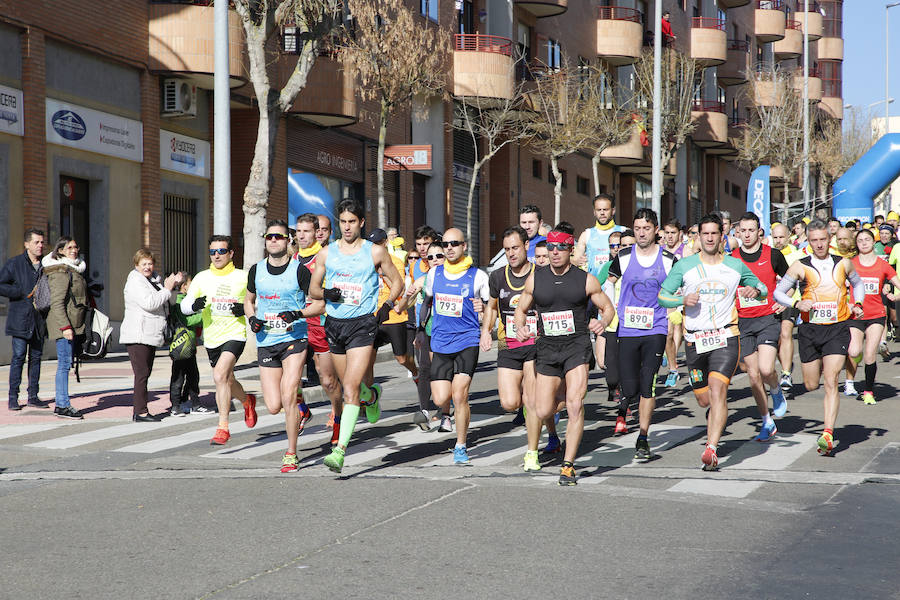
531, 461
335, 460
826, 444
373, 409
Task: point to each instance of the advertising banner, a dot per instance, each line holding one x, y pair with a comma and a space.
183, 154
12, 119
95, 131
758, 197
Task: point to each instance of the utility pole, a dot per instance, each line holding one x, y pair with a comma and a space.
806, 106
221, 125
656, 185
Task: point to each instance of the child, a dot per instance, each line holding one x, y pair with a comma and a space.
184, 385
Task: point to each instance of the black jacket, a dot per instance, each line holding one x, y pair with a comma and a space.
17, 278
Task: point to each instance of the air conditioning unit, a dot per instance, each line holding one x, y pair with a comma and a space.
179, 98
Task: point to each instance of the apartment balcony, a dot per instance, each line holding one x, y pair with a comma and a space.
629, 153
329, 98
732, 3
544, 8
737, 133
619, 34
712, 123
813, 19
767, 88
814, 88
482, 68
709, 43
830, 48
791, 46
769, 20
182, 41
735, 68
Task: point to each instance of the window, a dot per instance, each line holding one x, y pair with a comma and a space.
581, 183
720, 94
736, 191
727, 187
554, 54
466, 16
74, 205
602, 188
643, 194
179, 233
565, 178
429, 8
536, 169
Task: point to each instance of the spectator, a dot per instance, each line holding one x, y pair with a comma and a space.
23, 323
184, 384
65, 321
667, 36
146, 300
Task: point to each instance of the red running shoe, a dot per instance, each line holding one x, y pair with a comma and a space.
709, 459
220, 437
250, 411
621, 427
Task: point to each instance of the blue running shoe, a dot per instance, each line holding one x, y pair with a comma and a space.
460, 456
767, 432
665, 362
779, 402
672, 379
553, 445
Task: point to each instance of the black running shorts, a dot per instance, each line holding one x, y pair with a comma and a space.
515, 358
555, 359
445, 366
720, 363
816, 340
758, 331
233, 346
344, 334
395, 335
272, 356
639, 360
863, 324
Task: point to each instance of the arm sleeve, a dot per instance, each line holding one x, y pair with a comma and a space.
614, 269
304, 277
668, 297
8, 286
784, 290
748, 278
779, 263
859, 287
251, 280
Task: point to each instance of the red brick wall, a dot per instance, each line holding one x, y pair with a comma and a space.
151, 196
34, 151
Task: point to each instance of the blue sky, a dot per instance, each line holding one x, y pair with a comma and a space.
863, 68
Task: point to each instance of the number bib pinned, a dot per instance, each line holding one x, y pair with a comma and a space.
276, 324
448, 305
638, 317
560, 322
707, 341
871, 284
220, 306
351, 293
530, 322
823, 313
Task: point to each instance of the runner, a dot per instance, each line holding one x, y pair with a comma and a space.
455, 333
309, 251
560, 294
679, 249
824, 334
729, 241
780, 236
515, 359
425, 236
710, 282
541, 255
760, 327
323, 231
875, 272
531, 221
617, 243
349, 266
276, 301
218, 294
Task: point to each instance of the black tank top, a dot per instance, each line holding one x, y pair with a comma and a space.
561, 303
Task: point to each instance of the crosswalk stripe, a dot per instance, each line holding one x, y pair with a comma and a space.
716, 487
619, 452
191, 437
107, 433
479, 451
11, 431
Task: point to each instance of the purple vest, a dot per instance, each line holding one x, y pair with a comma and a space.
638, 309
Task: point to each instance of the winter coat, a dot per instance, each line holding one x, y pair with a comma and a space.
17, 278
68, 295
146, 307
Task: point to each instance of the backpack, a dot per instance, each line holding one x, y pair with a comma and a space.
97, 332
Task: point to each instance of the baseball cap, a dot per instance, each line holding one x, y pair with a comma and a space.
376, 236
892, 216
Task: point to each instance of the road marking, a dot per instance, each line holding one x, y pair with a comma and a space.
11, 431
619, 452
107, 433
192, 437
710, 487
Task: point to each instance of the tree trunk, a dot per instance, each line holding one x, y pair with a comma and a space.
476, 168
256, 194
786, 199
382, 134
557, 188
595, 169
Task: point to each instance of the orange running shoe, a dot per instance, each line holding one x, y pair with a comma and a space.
250, 410
305, 417
220, 438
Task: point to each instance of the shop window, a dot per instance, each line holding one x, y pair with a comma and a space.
73, 212
179, 234
429, 8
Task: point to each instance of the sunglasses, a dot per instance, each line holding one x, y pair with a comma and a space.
412, 257
219, 251
434, 256
562, 247
452, 243
274, 237
614, 245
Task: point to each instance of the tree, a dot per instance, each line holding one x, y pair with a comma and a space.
613, 124
263, 21
836, 145
396, 55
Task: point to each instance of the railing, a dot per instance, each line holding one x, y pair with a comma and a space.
708, 106
791, 24
739, 45
190, 2
770, 4
476, 42
831, 88
618, 13
708, 23
813, 71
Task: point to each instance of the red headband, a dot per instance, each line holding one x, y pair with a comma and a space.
560, 237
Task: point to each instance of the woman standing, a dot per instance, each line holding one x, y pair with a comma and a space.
146, 300
65, 321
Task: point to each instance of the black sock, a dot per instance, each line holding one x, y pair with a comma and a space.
567, 463
870, 376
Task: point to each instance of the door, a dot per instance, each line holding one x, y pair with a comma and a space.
73, 212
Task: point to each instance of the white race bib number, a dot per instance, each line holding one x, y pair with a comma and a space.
823, 313
871, 284
560, 322
530, 322
638, 317
448, 305
750, 302
707, 341
351, 293
221, 306
602, 256
276, 324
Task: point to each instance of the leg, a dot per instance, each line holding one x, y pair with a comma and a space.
460, 392
176, 384
223, 376
509, 387
328, 380
874, 335
19, 353
751, 366
545, 387
718, 408
812, 373
351, 368
600, 351
532, 420
35, 351
64, 363
192, 382
141, 357
786, 346
423, 355
576, 386
292, 366
831, 366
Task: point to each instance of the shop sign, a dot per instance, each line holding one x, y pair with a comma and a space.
94, 131
12, 109
407, 157
183, 154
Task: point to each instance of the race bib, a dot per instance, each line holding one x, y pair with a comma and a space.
638, 317
601, 256
530, 322
871, 284
823, 313
448, 305
560, 322
351, 293
276, 324
221, 306
750, 302
707, 341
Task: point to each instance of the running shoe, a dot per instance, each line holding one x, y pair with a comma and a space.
567, 476
642, 451
779, 403
868, 398
69, 412
446, 425
420, 418
553, 445
786, 382
850, 389
766, 432
335, 460
250, 410
825, 445
373, 410
202, 410
709, 459
665, 361
289, 463
531, 461
220, 438
335, 435
672, 379
519, 419
305, 417
460, 456
365, 395
621, 427
884, 351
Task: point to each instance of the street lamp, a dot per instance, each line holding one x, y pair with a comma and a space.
887, 103
890, 100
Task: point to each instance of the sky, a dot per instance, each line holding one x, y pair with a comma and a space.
863, 68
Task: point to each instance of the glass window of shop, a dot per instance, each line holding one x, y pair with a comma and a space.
316, 193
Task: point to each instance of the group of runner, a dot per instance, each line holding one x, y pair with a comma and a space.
638, 291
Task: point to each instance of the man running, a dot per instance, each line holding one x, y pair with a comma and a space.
350, 267
455, 333
676, 246
560, 294
824, 334
218, 294
425, 236
323, 230
531, 221
788, 317
643, 323
709, 283
541, 255
276, 301
759, 326
309, 251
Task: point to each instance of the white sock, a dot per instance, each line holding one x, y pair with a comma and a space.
767, 419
